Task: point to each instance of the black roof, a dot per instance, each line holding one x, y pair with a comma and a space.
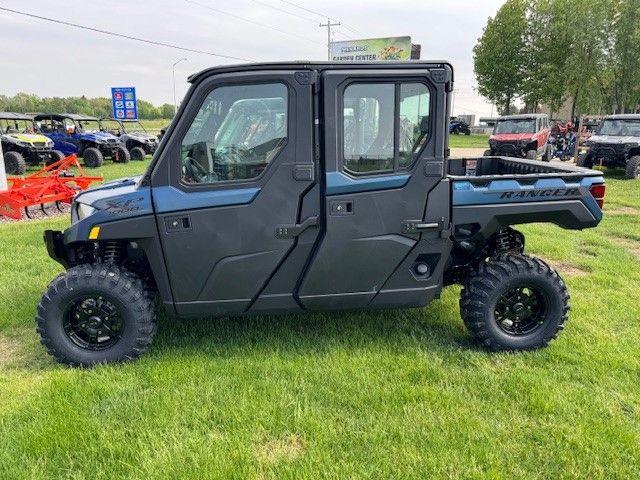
72, 116
623, 116
15, 116
305, 64
523, 116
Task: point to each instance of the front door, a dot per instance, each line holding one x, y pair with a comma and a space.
238, 195
386, 203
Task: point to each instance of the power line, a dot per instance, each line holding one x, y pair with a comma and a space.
121, 35
253, 22
273, 7
288, 2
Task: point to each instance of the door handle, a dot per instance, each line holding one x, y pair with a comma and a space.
177, 224
294, 230
417, 226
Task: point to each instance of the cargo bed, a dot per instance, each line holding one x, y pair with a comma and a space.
488, 168
512, 190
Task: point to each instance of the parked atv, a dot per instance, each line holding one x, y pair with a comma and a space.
563, 146
21, 146
133, 135
521, 136
80, 134
616, 143
247, 209
458, 127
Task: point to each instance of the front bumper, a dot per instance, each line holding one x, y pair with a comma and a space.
507, 149
54, 240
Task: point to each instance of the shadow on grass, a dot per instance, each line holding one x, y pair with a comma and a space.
437, 327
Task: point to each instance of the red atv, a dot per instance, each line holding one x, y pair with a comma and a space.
522, 136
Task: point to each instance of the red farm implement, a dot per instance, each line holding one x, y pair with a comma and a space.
53, 185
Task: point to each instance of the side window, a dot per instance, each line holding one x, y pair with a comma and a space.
384, 125
368, 125
237, 132
414, 121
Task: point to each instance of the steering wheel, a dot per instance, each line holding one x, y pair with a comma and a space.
192, 169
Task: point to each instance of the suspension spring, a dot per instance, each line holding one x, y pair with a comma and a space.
112, 252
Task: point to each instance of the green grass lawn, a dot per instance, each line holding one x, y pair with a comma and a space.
469, 141
389, 394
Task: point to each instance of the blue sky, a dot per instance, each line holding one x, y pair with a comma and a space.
47, 59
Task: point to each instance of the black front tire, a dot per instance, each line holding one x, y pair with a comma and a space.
531, 322
125, 296
633, 168
56, 156
92, 157
487, 153
121, 155
14, 163
532, 155
138, 154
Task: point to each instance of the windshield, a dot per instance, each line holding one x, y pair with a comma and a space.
110, 125
133, 127
522, 125
15, 126
620, 127
89, 126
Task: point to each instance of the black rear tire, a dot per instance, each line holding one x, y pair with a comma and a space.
584, 161
546, 156
121, 155
138, 154
92, 157
487, 153
532, 155
633, 168
14, 163
56, 156
514, 302
73, 316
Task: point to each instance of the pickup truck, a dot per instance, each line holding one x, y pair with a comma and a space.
304, 186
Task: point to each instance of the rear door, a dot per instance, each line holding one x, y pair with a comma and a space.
386, 204
232, 191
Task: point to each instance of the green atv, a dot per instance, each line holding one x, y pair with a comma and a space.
21, 146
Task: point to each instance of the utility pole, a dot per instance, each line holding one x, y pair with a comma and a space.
329, 25
173, 73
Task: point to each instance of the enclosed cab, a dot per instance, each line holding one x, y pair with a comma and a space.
301, 187
615, 144
81, 135
521, 136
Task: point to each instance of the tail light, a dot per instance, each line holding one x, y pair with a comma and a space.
597, 192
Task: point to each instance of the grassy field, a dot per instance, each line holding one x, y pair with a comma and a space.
395, 394
154, 126
469, 141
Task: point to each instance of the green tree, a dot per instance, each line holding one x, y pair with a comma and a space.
500, 55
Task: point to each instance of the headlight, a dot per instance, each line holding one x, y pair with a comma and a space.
23, 144
82, 211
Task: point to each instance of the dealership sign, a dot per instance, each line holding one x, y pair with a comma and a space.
124, 103
371, 49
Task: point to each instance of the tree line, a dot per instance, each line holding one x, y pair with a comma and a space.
548, 52
97, 107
